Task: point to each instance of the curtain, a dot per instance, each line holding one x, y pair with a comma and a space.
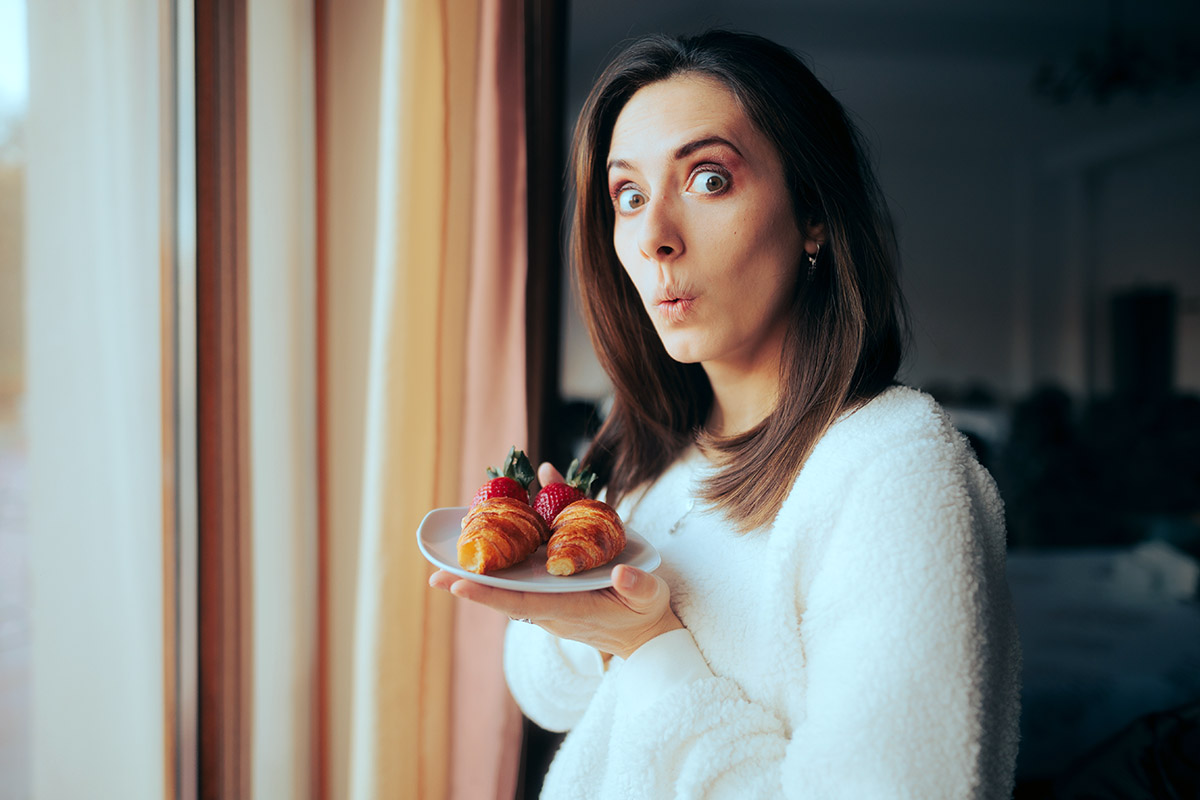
446, 330
281, 277
95, 257
487, 724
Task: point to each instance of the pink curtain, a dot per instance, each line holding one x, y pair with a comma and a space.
486, 724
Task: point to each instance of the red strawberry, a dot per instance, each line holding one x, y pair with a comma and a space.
512, 482
500, 487
554, 497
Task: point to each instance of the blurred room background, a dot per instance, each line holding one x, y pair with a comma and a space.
218, 226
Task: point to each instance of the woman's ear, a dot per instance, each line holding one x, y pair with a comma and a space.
814, 237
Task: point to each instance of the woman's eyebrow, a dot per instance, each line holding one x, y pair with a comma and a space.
683, 152
692, 146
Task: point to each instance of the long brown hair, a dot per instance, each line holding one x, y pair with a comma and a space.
846, 329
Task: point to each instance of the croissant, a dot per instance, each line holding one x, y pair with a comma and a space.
498, 533
585, 534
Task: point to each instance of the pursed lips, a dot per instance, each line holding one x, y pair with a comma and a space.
673, 304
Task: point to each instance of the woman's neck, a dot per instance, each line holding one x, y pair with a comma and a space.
743, 393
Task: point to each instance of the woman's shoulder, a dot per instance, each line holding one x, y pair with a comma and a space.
901, 450
899, 429
900, 417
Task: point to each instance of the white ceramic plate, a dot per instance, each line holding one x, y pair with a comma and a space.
438, 539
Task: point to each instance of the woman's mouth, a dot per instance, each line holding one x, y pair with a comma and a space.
674, 310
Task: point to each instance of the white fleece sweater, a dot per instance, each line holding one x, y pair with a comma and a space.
861, 647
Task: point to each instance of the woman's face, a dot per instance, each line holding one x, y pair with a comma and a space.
704, 224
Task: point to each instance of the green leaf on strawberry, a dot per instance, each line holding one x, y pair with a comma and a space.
512, 480
580, 477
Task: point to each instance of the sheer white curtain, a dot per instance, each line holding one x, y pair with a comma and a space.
99, 258
282, 265
95, 399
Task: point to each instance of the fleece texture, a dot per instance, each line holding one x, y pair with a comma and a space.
862, 646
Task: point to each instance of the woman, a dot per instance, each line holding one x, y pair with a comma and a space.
831, 618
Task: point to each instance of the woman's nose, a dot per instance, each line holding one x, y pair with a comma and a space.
660, 238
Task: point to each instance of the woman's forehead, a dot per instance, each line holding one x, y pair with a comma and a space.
664, 117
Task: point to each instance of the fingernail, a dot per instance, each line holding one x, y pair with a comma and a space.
626, 579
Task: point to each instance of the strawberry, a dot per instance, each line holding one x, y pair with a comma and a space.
513, 481
554, 497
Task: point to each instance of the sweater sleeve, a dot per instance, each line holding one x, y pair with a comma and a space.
911, 661
551, 679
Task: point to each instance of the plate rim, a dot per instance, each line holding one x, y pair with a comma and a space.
653, 560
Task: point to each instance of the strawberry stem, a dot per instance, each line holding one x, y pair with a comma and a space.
516, 466
580, 477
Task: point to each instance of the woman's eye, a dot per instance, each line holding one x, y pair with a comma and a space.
630, 199
709, 181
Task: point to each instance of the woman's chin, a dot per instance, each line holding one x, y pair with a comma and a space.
682, 351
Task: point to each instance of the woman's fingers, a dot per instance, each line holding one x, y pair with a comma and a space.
648, 596
640, 591
547, 474
636, 588
617, 620
442, 580
518, 605
521, 605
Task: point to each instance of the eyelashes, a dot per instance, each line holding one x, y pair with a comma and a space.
708, 179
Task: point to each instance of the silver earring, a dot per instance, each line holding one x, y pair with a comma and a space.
812, 262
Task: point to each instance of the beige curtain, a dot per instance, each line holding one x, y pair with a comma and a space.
447, 331
487, 725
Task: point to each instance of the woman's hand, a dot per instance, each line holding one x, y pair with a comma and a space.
617, 620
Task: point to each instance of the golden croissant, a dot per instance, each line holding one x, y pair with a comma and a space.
585, 534
498, 533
